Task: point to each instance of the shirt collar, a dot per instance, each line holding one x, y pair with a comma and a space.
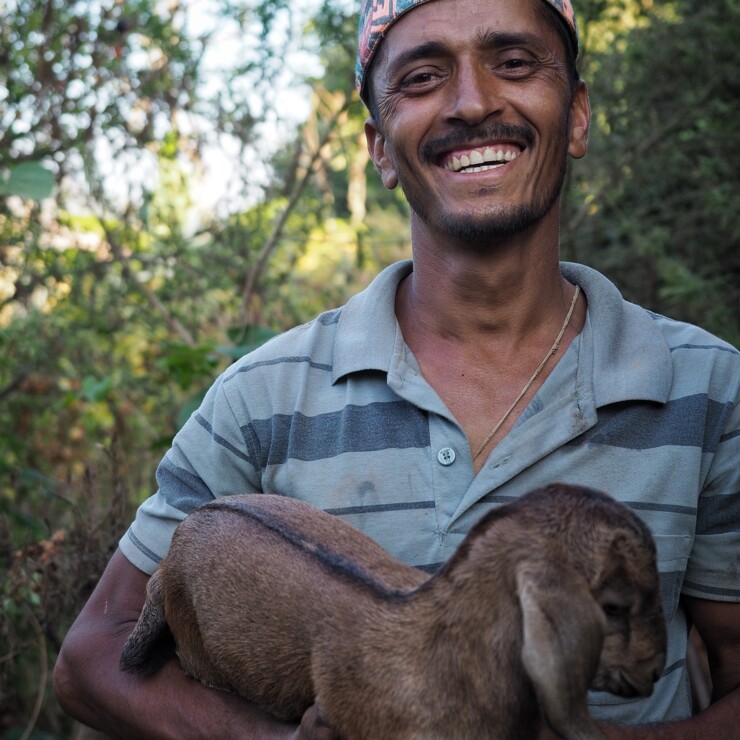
629, 356
367, 329
622, 348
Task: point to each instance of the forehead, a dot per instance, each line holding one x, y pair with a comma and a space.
457, 24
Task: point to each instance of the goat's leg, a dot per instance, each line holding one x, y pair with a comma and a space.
150, 645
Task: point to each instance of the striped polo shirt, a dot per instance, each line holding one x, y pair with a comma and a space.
336, 412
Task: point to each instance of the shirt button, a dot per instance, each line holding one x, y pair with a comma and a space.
446, 456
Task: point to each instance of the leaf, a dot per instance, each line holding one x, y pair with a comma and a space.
187, 365
28, 180
246, 340
95, 390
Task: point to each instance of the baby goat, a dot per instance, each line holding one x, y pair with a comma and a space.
547, 596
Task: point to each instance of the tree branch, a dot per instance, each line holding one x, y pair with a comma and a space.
257, 270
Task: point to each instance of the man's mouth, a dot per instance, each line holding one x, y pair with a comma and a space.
481, 159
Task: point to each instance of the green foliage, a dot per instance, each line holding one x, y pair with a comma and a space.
655, 202
28, 180
74, 71
185, 364
45, 581
122, 294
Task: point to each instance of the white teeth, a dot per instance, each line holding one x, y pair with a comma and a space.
472, 160
485, 167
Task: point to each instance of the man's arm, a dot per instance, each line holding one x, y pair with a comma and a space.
90, 686
718, 624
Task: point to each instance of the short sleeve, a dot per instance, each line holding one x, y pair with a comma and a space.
714, 566
209, 457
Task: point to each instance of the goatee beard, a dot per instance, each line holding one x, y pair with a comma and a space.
494, 226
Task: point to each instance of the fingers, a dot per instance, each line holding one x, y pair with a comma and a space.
314, 726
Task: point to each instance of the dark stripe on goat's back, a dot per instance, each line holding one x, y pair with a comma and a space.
334, 562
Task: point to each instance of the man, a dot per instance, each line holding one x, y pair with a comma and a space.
486, 370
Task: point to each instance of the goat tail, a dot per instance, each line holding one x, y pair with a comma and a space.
151, 644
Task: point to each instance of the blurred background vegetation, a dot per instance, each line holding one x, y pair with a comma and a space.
180, 179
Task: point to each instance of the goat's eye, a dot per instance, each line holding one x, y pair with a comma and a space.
615, 611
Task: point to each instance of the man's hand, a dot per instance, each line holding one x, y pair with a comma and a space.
314, 726
91, 687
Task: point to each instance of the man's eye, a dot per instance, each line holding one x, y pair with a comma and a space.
517, 63
418, 78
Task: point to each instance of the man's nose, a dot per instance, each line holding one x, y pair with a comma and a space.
477, 94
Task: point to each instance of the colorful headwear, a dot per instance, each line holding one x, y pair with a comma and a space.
377, 16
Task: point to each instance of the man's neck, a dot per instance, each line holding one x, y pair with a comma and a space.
503, 292
480, 323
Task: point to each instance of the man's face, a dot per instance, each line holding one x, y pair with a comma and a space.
477, 115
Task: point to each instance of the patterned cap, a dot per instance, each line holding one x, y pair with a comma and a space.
377, 16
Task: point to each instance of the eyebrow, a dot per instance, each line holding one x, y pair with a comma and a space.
503, 39
484, 40
422, 51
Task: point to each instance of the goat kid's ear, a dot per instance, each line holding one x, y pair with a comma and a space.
563, 629
614, 571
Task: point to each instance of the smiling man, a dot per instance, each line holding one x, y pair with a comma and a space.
476, 126
458, 381
475, 114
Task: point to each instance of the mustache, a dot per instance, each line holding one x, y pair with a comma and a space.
473, 136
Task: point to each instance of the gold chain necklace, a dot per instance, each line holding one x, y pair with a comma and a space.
551, 352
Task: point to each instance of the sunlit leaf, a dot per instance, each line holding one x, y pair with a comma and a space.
28, 180
94, 389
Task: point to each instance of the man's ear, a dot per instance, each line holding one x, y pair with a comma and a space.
379, 155
580, 121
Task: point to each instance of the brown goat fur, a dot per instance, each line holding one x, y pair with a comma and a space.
548, 596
